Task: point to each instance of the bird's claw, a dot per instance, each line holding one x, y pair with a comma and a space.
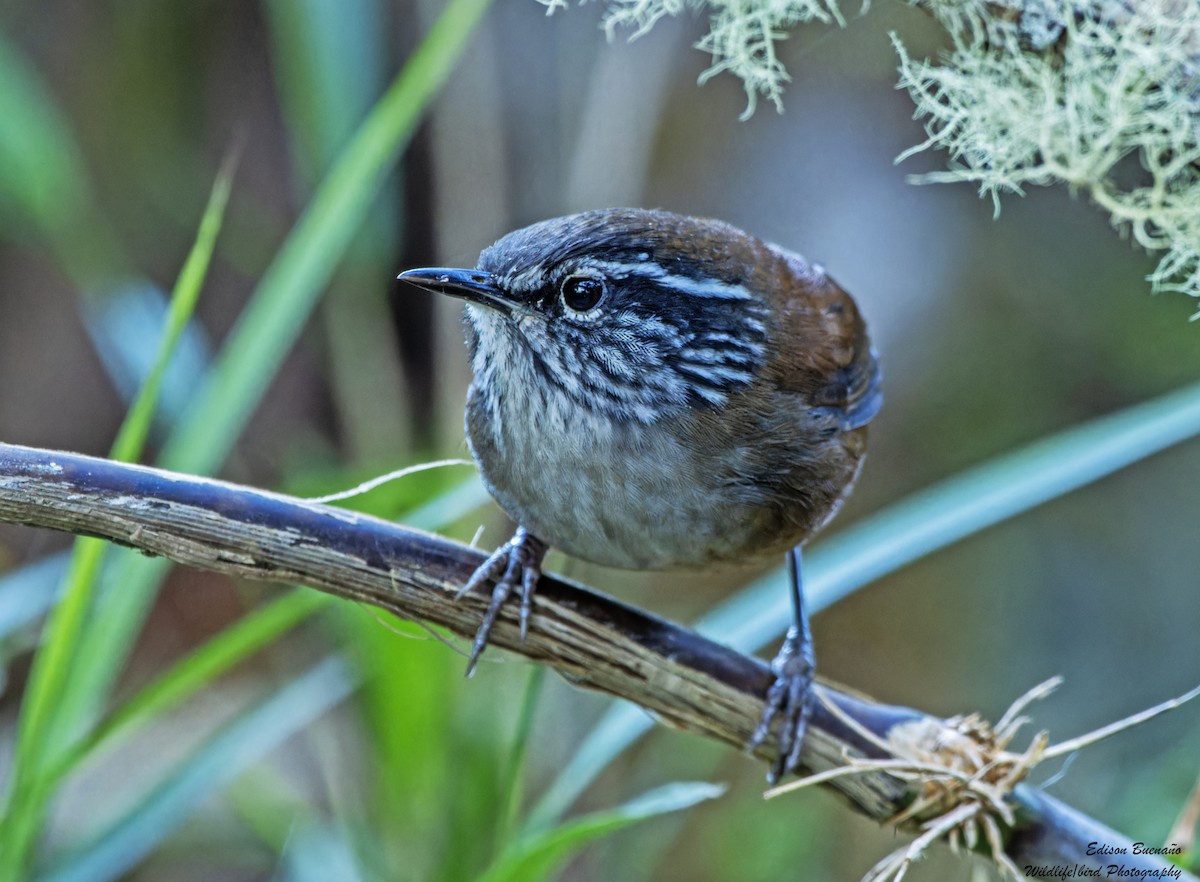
515, 565
791, 700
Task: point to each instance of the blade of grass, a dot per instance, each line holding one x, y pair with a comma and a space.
514, 769
535, 857
198, 669
292, 708
908, 530
44, 714
292, 284
42, 177
281, 303
319, 854
329, 61
271, 804
329, 64
124, 324
451, 505
40, 168
135, 428
26, 593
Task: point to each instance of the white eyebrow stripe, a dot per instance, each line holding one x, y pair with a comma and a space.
709, 288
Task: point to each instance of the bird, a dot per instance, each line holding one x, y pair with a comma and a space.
654, 391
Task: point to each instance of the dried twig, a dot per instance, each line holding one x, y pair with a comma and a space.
964, 777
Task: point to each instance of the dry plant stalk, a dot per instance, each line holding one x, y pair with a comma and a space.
962, 775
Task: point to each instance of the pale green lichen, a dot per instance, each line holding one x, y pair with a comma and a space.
741, 38
1102, 95
1108, 82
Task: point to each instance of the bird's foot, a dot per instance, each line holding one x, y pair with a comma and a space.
791, 699
515, 565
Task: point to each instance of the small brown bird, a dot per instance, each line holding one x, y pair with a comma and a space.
654, 391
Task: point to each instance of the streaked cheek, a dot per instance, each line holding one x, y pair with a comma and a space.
615, 361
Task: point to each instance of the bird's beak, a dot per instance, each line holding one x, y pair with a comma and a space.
471, 285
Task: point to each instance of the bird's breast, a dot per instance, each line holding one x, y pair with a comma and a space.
664, 495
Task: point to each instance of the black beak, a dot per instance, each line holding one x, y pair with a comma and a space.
471, 285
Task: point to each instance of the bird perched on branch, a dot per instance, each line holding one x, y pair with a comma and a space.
653, 391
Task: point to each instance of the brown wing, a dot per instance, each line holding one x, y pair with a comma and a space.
824, 352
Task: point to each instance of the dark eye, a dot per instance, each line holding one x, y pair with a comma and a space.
582, 293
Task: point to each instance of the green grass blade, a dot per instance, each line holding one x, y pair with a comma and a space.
900, 534
537, 856
115, 850
200, 668
281, 303
622, 725
29, 787
292, 284
26, 594
136, 426
329, 64
40, 170
320, 854
43, 184
450, 506
514, 769
329, 59
45, 715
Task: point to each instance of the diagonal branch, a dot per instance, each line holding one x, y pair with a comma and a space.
685, 680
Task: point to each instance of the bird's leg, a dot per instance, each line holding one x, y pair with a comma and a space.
517, 564
791, 696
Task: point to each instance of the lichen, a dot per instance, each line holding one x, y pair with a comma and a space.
1031, 92
741, 39
1109, 81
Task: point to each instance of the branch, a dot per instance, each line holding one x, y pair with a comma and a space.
684, 679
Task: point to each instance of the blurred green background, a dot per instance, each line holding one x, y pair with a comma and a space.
114, 120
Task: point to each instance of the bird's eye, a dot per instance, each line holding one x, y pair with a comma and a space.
582, 293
